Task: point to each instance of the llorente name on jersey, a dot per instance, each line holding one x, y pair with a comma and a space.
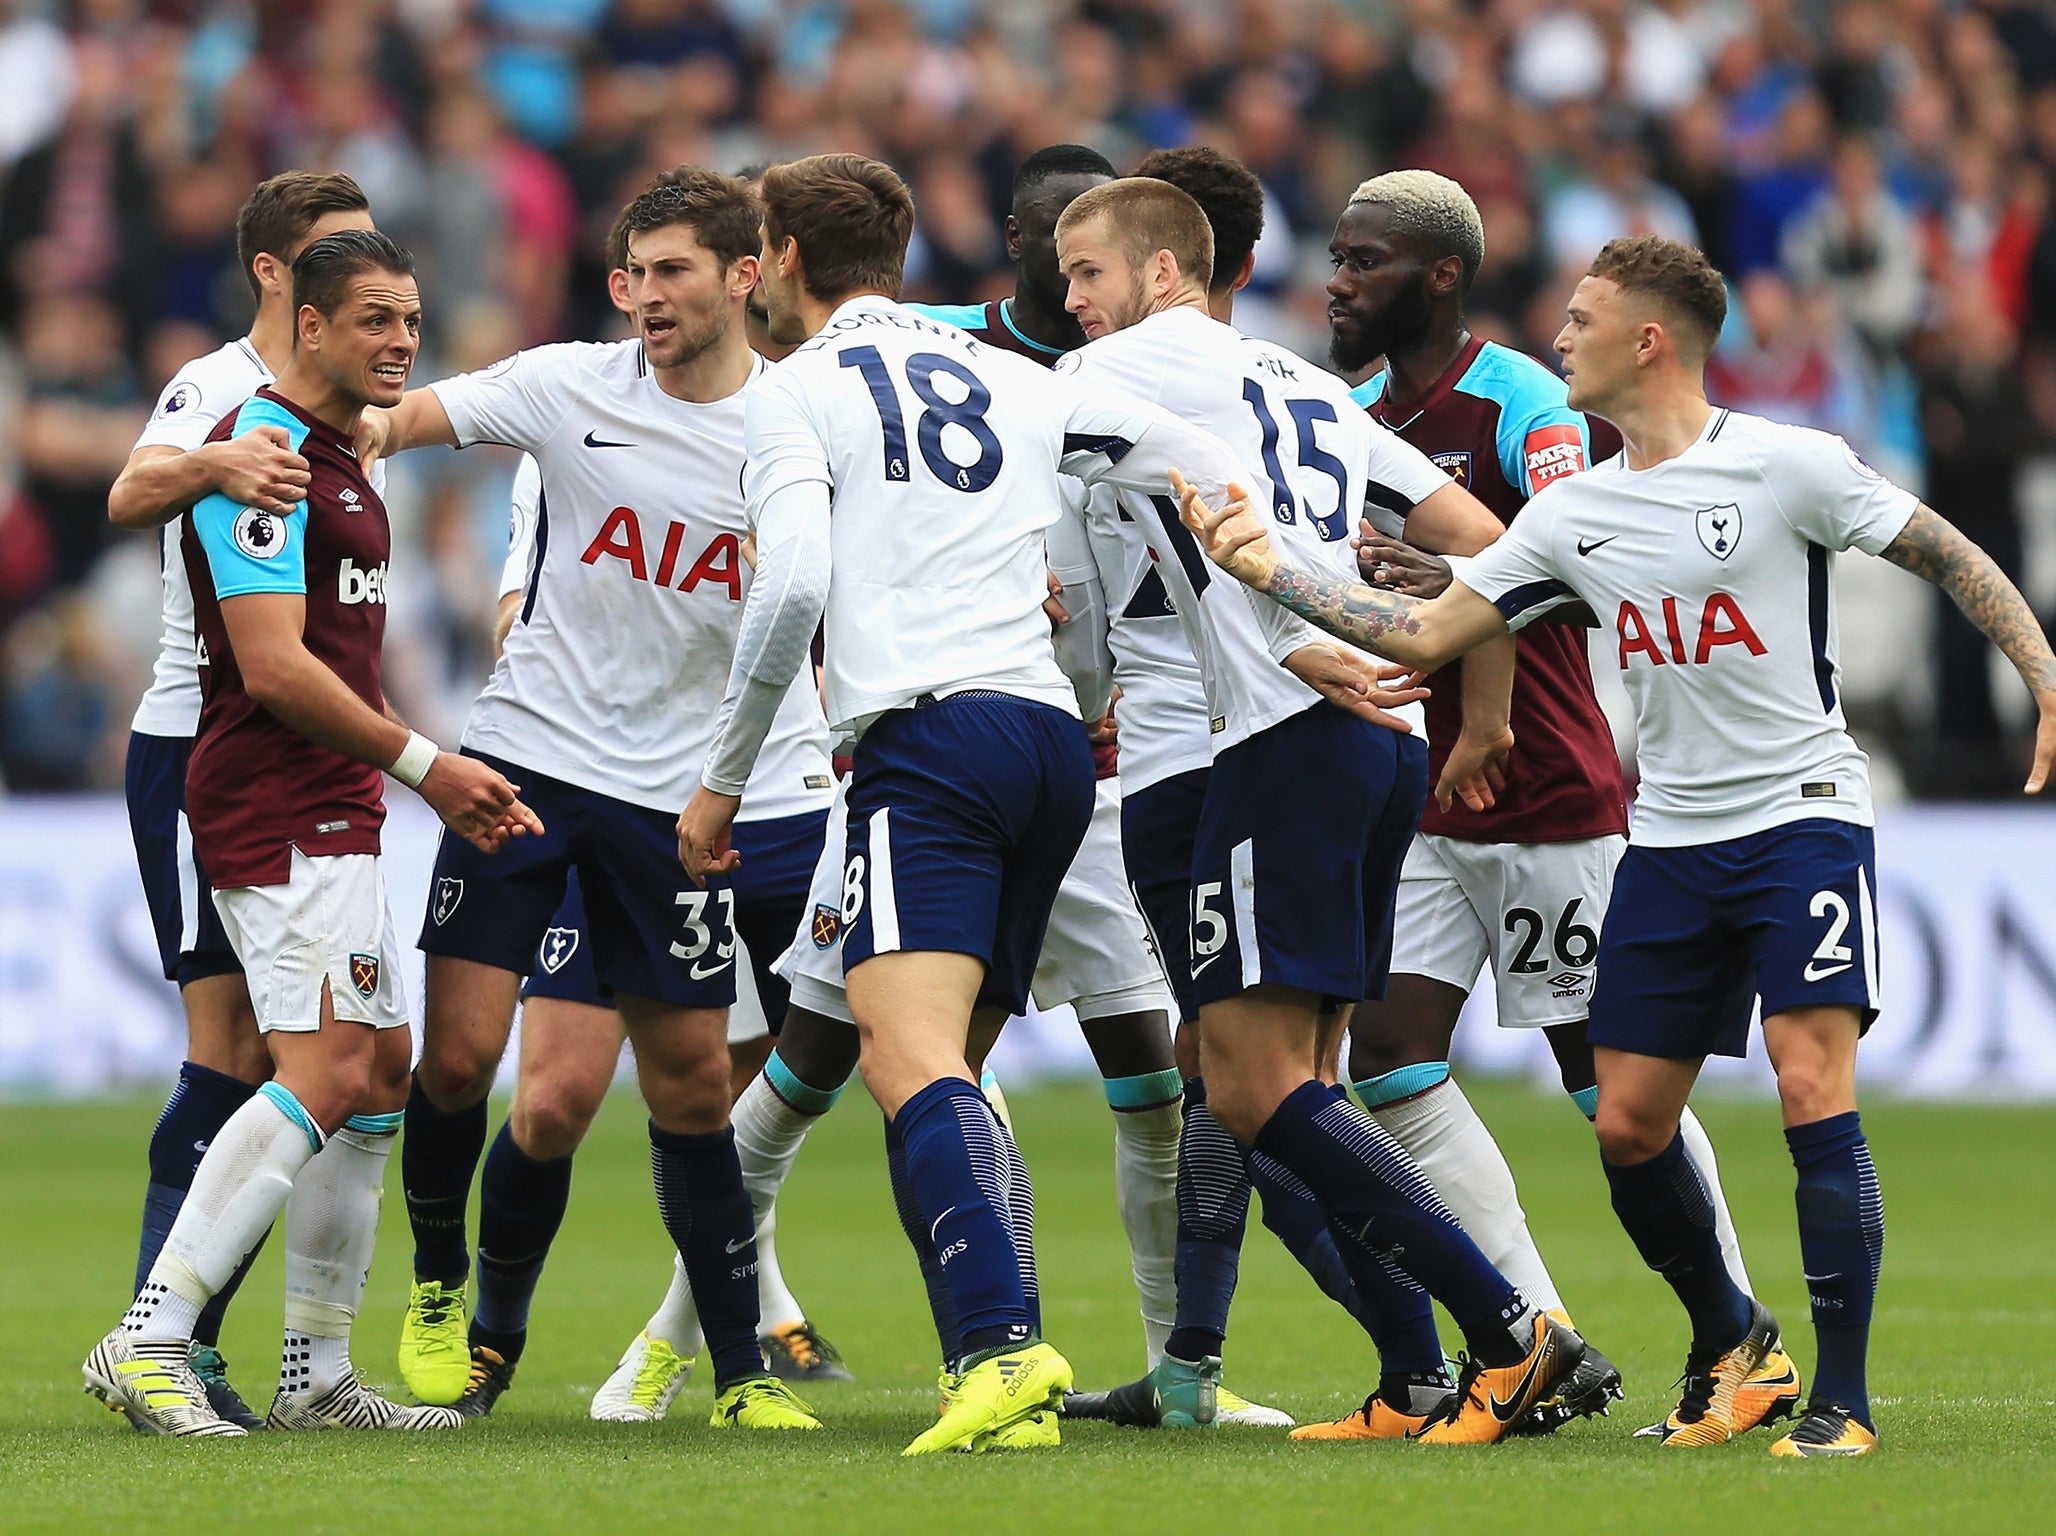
894, 319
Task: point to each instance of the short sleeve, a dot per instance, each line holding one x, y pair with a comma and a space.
1830, 496
1515, 572
519, 400
1070, 546
781, 445
249, 550
187, 411
525, 507
1541, 442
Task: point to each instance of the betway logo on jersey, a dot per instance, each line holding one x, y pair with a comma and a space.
1721, 622
621, 538
357, 584
1551, 453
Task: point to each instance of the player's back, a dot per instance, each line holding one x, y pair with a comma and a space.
941, 456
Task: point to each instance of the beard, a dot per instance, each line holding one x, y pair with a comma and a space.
691, 335
1402, 323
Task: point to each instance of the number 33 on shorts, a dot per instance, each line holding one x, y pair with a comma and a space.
708, 941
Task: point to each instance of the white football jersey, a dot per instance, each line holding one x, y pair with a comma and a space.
941, 458
1715, 572
1317, 453
524, 506
193, 403
615, 667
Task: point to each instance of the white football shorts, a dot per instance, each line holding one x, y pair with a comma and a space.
328, 923
1532, 910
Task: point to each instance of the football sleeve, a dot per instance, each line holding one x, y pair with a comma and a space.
520, 400
1082, 644
1398, 475
249, 550
186, 412
525, 508
1516, 573
1541, 440
1830, 496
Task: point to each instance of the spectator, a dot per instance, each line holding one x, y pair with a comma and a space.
1856, 243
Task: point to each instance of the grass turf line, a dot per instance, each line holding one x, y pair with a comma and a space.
1963, 1364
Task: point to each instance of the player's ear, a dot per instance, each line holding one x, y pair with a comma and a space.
1445, 275
1013, 237
1248, 271
617, 290
742, 277
307, 325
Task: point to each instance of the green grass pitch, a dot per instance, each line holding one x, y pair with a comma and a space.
1964, 1365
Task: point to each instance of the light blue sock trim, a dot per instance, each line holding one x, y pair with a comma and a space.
1402, 1084
804, 1097
283, 1101
376, 1125
1587, 1100
1145, 1090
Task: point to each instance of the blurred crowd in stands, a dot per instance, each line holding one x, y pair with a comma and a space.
1875, 176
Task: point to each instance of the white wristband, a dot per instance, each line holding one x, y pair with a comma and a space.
415, 759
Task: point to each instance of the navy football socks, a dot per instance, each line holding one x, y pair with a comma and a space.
1213, 1213
949, 1333
438, 1157
706, 1210
957, 1168
1665, 1207
520, 1206
1020, 1193
1381, 1207
1842, 1242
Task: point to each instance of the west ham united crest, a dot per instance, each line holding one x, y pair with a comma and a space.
557, 948
1720, 529
1455, 465
364, 974
448, 892
827, 925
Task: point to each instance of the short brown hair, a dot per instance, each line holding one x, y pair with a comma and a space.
1678, 277
277, 216
852, 217
1227, 192
323, 272
1145, 216
722, 212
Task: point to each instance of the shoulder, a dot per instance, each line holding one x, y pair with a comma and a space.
261, 411
965, 317
1517, 383
1371, 391
208, 388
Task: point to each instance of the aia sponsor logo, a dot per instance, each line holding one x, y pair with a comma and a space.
1551, 453
621, 538
1720, 622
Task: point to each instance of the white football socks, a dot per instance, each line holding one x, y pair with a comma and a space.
677, 1318
1146, 1189
331, 1231
1446, 1137
768, 1135
238, 1190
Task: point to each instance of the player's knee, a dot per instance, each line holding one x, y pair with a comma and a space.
1626, 1137
551, 1121
1813, 1090
1241, 1110
687, 1090
454, 1073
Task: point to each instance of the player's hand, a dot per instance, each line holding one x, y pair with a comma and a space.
749, 548
259, 469
1476, 770
1351, 680
1235, 538
1106, 730
703, 828
374, 431
2045, 743
476, 802
1053, 605
1397, 566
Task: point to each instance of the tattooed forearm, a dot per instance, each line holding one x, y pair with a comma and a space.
1385, 622
1935, 550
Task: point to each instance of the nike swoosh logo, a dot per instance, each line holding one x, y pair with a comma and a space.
713, 970
739, 1244
1818, 972
593, 440
1209, 960
1586, 549
1823, 1279
1505, 1410
936, 1225
200, 1146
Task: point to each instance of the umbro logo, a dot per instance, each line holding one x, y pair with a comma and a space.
1586, 546
594, 440
1566, 979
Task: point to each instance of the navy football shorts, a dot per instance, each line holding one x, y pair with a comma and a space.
190, 939
1297, 858
1158, 824
649, 931
964, 815
1694, 935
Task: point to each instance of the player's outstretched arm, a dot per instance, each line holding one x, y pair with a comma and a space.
256, 469
266, 631
1422, 635
1935, 550
418, 421
1452, 522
